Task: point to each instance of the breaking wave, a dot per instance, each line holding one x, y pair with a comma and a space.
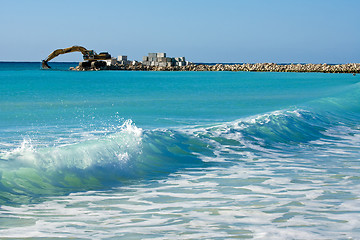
131, 153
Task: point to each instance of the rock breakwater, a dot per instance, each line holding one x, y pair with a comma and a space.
256, 67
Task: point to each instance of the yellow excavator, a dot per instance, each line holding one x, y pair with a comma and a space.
88, 55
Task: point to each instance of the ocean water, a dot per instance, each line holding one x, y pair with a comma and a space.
178, 155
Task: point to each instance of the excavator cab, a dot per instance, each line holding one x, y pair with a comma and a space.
89, 55
92, 55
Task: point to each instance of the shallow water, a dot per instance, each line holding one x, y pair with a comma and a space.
184, 155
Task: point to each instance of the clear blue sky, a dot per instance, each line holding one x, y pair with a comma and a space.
279, 31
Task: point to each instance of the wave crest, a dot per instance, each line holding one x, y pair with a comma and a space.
112, 150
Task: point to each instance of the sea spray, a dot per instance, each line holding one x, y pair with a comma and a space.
107, 150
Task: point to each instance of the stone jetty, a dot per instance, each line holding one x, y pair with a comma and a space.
247, 67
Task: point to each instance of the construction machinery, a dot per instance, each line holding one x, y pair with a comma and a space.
92, 59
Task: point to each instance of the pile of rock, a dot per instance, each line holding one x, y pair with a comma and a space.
272, 67
256, 67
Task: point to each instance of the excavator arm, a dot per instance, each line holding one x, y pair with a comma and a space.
58, 52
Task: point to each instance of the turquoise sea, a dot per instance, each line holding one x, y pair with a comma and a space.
178, 155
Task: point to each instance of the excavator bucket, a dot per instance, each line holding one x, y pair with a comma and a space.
44, 65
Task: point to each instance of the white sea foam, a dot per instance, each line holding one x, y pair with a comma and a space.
110, 149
